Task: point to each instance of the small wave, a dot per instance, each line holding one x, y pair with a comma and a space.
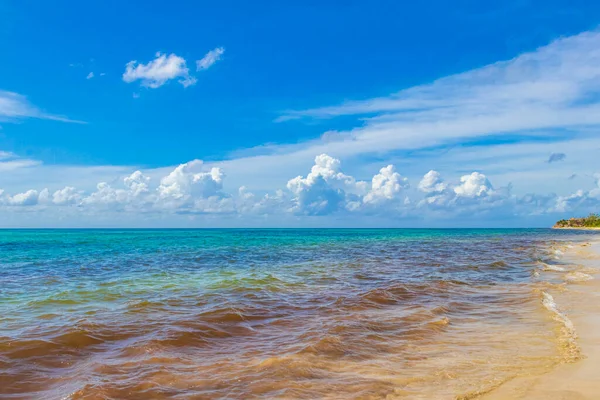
568, 338
577, 276
551, 267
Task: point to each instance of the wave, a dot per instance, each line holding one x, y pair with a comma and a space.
577, 276
568, 337
551, 267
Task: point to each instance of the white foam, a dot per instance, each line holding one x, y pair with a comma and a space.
550, 304
550, 267
577, 277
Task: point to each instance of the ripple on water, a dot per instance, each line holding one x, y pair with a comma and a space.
266, 314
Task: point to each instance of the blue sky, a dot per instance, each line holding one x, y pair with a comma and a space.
504, 90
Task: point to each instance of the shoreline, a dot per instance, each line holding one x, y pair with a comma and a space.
576, 228
581, 303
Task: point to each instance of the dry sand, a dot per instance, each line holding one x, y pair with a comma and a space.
581, 303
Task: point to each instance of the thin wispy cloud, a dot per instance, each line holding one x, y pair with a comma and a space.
210, 59
553, 87
14, 106
90, 75
10, 162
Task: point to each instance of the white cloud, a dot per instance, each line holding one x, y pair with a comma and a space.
581, 200
194, 189
10, 162
67, 196
386, 185
472, 195
90, 75
106, 196
131, 198
189, 188
473, 185
552, 93
210, 58
28, 198
159, 71
545, 102
14, 106
432, 183
137, 183
181, 181
325, 188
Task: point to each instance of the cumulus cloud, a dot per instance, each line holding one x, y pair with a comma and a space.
582, 200
473, 193
159, 71
105, 196
137, 183
186, 180
324, 189
67, 196
386, 186
432, 183
188, 188
193, 188
474, 185
210, 58
28, 198
554, 157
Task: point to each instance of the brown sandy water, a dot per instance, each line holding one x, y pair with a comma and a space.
437, 316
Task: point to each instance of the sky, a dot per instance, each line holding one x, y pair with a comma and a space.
298, 114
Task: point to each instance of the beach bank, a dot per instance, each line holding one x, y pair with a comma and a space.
579, 300
574, 228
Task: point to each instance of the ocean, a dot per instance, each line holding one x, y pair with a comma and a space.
278, 313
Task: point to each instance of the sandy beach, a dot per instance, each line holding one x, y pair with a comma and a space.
580, 302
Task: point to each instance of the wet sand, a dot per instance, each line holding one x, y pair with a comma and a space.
580, 301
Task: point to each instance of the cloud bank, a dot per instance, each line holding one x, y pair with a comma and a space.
193, 188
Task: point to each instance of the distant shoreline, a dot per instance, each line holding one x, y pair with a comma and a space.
579, 228
591, 222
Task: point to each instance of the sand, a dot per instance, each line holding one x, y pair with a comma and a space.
581, 303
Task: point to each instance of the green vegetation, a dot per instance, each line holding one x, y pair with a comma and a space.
591, 221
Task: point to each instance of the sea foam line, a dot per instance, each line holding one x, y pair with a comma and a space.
550, 267
568, 329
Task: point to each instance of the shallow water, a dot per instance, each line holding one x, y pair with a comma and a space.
140, 314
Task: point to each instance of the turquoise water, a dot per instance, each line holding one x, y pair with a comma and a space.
307, 313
